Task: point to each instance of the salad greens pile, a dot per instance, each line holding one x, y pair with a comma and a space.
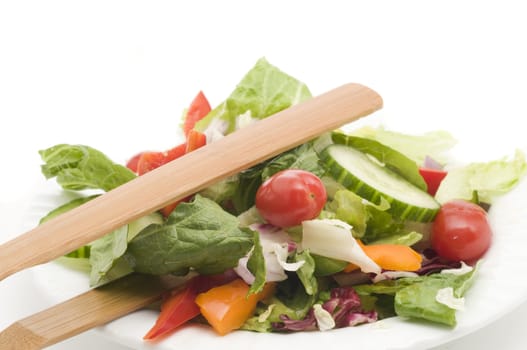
220, 228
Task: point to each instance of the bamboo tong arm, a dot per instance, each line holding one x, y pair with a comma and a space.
187, 175
83, 312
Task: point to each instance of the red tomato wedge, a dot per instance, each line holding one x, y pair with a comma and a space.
195, 140
132, 163
433, 178
197, 110
149, 161
144, 162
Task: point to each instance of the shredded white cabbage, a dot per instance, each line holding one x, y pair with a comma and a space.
459, 271
324, 319
244, 120
281, 253
333, 239
446, 297
390, 275
216, 130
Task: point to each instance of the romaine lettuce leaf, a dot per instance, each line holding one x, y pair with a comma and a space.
263, 91
417, 147
107, 253
416, 297
371, 223
256, 265
306, 273
79, 167
482, 181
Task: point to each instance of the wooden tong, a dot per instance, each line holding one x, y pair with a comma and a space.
152, 191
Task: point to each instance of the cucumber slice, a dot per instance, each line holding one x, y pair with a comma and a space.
361, 174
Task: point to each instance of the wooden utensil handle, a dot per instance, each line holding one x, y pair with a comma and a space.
187, 175
88, 310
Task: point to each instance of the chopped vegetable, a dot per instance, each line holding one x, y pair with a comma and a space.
396, 257
373, 181
197, 110
461, 231
333, 239
179, 305
291, 196
344, 229
433, 178
227, 307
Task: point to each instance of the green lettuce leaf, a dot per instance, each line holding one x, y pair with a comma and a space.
107, 253
482, 181
78, 167
371, 223
198, 236
290, 299
306, 273
303, 157
416, 297
433, 144
256, 265
263, 91
240, 192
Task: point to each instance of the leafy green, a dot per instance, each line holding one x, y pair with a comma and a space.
243, 197
416, 297
78, 167
199, 236
107, 253
485, 181
417, 147
403, 237
325, 266
306, 273
371, 223
263, 91
350, 208
241, 192
290, 300
256, 265
303, 157
387, 156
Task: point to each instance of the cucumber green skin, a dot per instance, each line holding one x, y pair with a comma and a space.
400, 209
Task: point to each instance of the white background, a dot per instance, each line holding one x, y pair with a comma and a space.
116, 75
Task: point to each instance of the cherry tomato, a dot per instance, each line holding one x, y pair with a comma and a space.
461, 231
291, 196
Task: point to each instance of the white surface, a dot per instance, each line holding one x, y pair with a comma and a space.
117, 74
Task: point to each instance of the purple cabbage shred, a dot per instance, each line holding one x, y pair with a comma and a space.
344, 306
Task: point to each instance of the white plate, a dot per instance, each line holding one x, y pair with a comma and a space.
485, 302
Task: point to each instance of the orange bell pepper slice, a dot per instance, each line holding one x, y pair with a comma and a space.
227, 307
396, 257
